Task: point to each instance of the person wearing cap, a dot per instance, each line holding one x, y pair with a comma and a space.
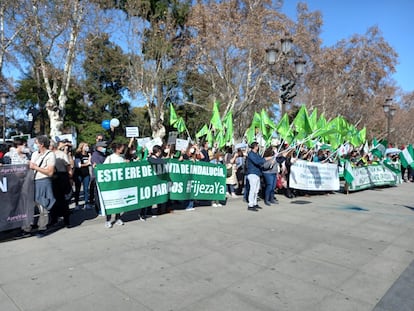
254, 170
98, 157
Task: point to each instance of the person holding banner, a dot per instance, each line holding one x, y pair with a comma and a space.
254, 171
98, 157
43, 163
17, 154
218, 159
115, 157
193, 154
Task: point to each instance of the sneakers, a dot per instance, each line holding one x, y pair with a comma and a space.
78, 208
142, 218
214, 204
233, 195
119, 222
190, 209
219, 205
252, 208
154, 216
108, 224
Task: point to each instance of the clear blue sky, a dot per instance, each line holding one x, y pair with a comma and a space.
343, 18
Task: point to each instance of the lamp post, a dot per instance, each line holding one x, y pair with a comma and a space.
288, 79
3, 99
389, 111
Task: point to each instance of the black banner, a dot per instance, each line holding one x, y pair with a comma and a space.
16, 196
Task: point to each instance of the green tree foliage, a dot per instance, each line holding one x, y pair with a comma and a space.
106, 70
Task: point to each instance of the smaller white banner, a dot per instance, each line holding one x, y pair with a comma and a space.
306, 175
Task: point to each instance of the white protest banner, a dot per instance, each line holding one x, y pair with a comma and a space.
131, 131
315, 176
181, 144
371, 176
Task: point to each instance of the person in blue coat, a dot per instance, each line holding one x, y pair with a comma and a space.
254, 170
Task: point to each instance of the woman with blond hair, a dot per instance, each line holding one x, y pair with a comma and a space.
81, 174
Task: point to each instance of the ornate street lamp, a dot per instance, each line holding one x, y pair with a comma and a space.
389, 111
3, 98
287, 83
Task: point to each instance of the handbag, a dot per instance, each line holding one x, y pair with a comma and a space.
40, 165
229, 170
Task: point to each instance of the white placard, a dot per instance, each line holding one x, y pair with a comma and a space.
143, 141
172, 137
132, 131
152, 143
181, 144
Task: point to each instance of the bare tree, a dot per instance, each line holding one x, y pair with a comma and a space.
11, 25
52, 39
352, 78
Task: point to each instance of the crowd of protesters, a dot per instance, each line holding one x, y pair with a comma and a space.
60, 173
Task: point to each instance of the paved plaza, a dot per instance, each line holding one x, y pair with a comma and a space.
324, 252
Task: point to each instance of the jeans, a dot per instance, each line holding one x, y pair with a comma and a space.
43, 219
270, 180
82, 180
230, 188
190, 204
254, 182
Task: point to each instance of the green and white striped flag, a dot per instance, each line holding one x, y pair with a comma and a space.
407, 156
348, 175
379, 148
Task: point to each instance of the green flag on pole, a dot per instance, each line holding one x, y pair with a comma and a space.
379, 148
348, 174
301, 122
173, 115
203, 131
215, 118
407, 156
180, 125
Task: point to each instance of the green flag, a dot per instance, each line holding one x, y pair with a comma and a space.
363, 135
321, 122
348, 174
203, 131
313, 119
221, 142
180, 125
228, 126
407, 156
266, 119
283, 127
301, 122
250, 134
173, 115
215, 118
379, 148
